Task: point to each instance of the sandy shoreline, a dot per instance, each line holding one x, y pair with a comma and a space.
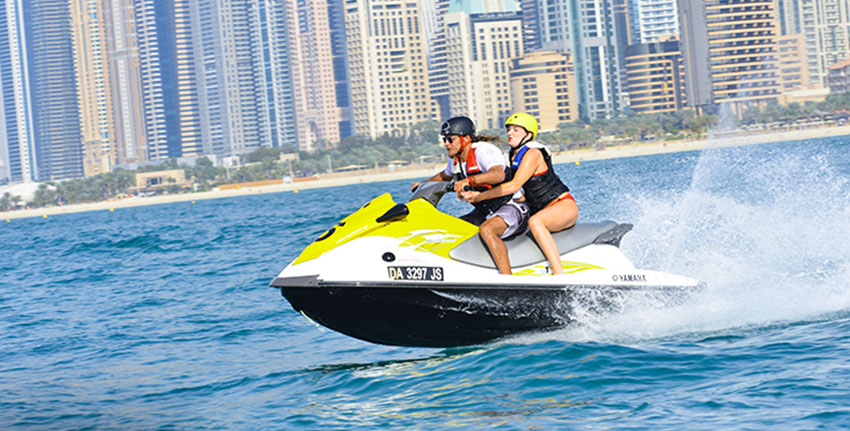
628, 150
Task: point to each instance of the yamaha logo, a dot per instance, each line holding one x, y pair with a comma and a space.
629, 277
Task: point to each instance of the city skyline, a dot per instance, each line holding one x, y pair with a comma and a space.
88, 85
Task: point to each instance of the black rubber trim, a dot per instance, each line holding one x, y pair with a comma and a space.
313, 281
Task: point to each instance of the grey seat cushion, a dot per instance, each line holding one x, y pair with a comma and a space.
523, 250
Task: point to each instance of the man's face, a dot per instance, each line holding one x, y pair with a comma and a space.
453, 144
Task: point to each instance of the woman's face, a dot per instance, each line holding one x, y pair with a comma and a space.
515, 135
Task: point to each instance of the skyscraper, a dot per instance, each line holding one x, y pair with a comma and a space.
438, 79
155, 30
125, 81
17, 148
272, 56
788, 14
56, 116
387, 58
339, 53
481, 41
94, 93
590, 31
188, 109
233, 108
543, 84
826, 24
655, 77
792, 63
653, 19
167, 65
4, 150
530, 24
731, 52
316, 40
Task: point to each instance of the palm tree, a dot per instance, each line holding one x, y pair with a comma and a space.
44, 195
6, 202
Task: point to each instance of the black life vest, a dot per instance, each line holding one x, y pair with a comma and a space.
472, 168
541, 188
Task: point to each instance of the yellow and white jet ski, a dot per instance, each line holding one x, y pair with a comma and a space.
407, 274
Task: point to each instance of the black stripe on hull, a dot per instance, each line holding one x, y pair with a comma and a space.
446, 315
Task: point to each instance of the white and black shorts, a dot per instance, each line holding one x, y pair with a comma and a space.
515, 215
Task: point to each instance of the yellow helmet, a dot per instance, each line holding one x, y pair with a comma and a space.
526, 121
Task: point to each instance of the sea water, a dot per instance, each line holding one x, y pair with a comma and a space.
161, 317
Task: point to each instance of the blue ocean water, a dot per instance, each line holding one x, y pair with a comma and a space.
161, 317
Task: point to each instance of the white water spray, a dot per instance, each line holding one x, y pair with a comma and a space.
768, 230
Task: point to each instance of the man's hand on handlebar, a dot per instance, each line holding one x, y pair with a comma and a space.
460, 185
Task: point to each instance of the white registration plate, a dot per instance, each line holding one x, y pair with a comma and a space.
420, 273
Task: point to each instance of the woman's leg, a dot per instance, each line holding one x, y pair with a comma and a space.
491, 232
553, 218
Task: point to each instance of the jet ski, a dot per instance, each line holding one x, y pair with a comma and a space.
407, 274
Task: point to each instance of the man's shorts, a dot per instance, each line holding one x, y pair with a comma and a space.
515, 215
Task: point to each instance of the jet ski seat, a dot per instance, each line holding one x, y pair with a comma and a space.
523, 250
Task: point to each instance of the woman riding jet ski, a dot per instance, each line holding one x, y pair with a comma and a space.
408, 274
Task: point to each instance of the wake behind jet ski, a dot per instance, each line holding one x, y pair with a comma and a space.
408, 274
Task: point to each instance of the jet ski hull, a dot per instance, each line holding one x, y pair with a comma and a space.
446, 315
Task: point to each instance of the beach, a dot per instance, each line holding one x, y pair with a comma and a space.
425, 171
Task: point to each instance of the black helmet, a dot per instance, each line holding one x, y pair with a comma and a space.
458, 126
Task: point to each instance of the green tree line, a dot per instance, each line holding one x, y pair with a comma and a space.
834, 106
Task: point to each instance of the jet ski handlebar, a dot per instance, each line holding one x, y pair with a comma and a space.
432, 191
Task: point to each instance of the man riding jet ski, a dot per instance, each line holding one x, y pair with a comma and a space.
408, 274
475, 164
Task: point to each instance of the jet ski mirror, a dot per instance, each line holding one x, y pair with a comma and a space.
397, 212
432, 191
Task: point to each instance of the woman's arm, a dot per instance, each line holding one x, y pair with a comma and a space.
527, 168
494, 175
